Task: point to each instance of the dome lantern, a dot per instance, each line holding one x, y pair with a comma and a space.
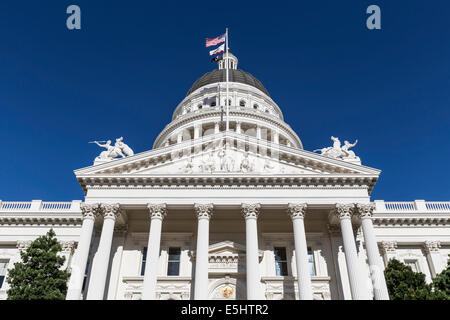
230, 59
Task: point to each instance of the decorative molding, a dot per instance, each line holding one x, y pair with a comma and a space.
297, 210
204, 211
157, 211
250, 210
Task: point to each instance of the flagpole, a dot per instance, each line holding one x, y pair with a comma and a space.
227, 61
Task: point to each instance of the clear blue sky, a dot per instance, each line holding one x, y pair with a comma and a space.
133, 61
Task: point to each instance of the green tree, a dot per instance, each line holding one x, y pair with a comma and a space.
405, 284
39, 276
441, 285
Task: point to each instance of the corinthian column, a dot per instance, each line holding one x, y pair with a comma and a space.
297, 213
78, 268
204, 213
250, 213
344, 213
365, 212
101, 260
157, 214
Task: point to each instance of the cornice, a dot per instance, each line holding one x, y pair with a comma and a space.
412, 220
46, 218
227, 181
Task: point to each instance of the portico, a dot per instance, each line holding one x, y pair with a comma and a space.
226, 248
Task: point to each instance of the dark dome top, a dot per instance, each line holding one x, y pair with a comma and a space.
234, 75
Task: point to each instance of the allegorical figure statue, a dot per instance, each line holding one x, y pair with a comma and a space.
119, 149
349, 153
338, 152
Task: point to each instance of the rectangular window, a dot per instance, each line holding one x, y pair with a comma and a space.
144, 260
173, 267
413, 264
3, 270
280, 261
312, 270
85, 276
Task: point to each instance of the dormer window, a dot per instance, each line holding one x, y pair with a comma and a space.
242, 103
255, 106
199, 106
213, 103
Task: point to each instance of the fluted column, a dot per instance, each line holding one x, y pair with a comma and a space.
101, 261
365, 212
344, 213
78, 268
204, 213
250, 213
157, 214
297, 213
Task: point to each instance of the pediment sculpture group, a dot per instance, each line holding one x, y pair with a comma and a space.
112, 151
339, 152
225, 161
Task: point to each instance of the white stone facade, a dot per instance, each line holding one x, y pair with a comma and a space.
238, 214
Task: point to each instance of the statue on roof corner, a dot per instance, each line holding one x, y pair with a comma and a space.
112, 151
338, 152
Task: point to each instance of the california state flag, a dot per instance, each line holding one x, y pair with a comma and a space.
217, 50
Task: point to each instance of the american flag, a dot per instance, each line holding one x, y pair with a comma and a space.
213, 41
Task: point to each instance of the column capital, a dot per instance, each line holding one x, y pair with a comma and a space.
204, 211
334, 229
250, 210
431, 246
344, 210
157, 211
68, 246
297, 210
365, 210
388, 246
89, 211
23, 244
109, 211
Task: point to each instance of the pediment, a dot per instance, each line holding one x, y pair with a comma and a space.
219, 158
240, 160
226, 248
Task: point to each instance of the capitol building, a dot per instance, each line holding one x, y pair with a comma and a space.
228, 205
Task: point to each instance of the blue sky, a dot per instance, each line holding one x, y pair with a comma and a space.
133, 61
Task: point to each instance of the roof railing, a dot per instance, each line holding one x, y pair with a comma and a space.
416, 206
39, 205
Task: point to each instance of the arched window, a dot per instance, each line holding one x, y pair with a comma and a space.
229, 102
242, 103
255, 106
